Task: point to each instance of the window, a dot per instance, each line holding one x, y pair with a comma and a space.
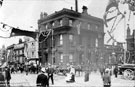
32, 53
96, 27
53, 24
61, 22
70, 22
61, 39
71, 38
61, 57
96, 43
46, 26
32, 44
21, 52
88, 26
70, 58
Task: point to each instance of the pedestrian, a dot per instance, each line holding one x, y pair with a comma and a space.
107, 79
116, 71
2, 78
102, 70
72, 72
7, 75
42, 79
50, 72
26, 69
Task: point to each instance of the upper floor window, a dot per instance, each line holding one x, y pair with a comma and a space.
46, 26
70, 58
96, 42
61, 22
71, 38
61, 39
70, 22
32, 53
89, 27
61, 57
32, 44
52, 24
96, 27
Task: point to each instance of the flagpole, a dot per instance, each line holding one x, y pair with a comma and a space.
125, 49
52, 46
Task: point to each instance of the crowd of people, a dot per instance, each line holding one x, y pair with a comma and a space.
44, 74
5, 77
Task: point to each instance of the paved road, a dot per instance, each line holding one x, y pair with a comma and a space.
95, 80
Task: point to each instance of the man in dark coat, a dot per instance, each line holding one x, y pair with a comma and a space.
116, 71
2, 79
50, 72
42, 79
7, 75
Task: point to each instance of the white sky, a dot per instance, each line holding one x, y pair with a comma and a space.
25, 13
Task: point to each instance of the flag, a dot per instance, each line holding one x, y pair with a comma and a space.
18, 32
5, 31
1, 1
111, 3
44, 35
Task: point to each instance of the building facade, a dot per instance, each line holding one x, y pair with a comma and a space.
31, 49
10, 52
130, 41
74, 38
114, 54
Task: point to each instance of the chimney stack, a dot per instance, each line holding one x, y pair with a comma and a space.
76, 5
84, 10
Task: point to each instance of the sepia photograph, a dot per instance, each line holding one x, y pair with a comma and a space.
67, 43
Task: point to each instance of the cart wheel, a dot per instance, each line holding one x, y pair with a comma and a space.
128, 74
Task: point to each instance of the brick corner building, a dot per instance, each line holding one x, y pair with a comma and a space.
75, 38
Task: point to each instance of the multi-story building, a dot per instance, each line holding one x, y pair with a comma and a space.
114, 54
19, 52
130, 46
76, 38
31, 49
3, 55
10, 53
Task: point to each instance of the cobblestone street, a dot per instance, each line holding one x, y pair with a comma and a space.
59, 80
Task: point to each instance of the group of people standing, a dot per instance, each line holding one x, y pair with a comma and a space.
106, 73
5, 77
44, 76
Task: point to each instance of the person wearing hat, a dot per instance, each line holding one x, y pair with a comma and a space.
50, 72
107, 79
42, 79
7, 75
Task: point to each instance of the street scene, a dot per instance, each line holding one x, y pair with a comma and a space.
79, 43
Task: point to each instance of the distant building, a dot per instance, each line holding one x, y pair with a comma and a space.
130, 40
114, 54
3, 55
75, 38
31, 49
10, 53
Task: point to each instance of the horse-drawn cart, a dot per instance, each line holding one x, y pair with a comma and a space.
128, 71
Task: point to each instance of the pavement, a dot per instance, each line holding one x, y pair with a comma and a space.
95, 80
